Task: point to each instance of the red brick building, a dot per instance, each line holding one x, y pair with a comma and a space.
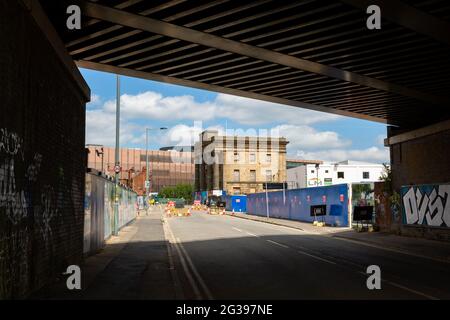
167, 167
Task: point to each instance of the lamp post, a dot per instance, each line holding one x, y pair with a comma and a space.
117, 161
147, 169
100, 154
317, 174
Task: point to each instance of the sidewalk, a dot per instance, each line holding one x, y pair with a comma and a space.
133, 265
423, 248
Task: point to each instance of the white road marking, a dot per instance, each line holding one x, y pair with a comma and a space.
194, 269
188, 274
251, 234
278, 244
387, 249
237, 229
316, 257
405, 288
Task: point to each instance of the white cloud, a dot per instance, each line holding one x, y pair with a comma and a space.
255, 112
372, 154
304, 141
306, 137
380, 139
101, 129
153, 105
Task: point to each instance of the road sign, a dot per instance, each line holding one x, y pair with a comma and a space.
147, 184
117, 169
274, 185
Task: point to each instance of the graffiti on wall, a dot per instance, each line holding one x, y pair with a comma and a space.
426, 205
18, 175
11, 198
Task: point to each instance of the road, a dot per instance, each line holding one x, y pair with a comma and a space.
223, 257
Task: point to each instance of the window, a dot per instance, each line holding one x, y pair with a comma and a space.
268, 175
252, 175
326, 171
236, 190
236, 175
236, 157
252, 158
312, 171
268, 157
366, 175
340, 175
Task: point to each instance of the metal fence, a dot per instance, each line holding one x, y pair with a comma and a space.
296, 204
99, 211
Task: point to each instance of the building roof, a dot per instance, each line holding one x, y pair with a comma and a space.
304, 161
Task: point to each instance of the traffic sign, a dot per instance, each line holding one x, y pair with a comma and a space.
147, 184
117, 169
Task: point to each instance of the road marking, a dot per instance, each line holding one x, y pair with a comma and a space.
404, 288
348, 240
278, 244
387, 249
251, 234
176, 280
194, 269
237, 229
316, 257
188, 274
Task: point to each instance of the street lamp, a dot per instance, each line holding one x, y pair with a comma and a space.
100, 154
317, 174
147, 169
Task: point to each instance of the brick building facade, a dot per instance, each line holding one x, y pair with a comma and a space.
238, 165
166, 168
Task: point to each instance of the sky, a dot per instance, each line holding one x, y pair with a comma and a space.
185, 112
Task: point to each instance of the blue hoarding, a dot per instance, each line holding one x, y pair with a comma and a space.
296, 204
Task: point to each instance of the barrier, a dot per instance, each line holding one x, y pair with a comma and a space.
99, 211
295, 204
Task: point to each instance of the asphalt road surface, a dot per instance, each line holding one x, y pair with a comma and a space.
223, 257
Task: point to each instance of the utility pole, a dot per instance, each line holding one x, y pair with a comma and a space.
147, 168
267, 200
117, 160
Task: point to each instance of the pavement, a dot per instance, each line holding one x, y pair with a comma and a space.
133, 265
228, 257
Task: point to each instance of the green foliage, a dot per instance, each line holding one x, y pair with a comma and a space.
386, 177
179, 191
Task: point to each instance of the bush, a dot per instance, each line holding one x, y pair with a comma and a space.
179, 191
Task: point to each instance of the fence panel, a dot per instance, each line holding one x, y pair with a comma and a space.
295, 204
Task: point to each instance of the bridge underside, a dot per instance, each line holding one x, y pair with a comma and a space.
311, 54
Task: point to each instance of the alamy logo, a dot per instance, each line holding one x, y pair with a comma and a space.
374, 20
74, 20
74, 280
374, 279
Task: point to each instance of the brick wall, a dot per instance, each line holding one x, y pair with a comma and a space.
420, 161
42, 158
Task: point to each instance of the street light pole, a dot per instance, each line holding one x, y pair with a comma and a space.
147, 168
146, 163
117, 160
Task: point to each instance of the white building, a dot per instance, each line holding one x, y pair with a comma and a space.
303, 174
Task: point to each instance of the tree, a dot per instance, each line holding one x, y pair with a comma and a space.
181, 190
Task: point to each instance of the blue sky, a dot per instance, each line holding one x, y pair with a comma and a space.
185, 111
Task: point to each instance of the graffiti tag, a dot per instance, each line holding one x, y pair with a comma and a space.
10, 198
427, 205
